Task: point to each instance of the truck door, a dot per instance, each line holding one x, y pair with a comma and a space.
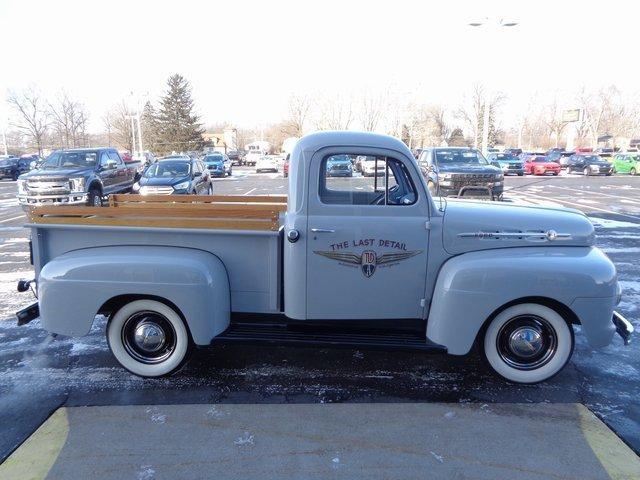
107, 172
367, 239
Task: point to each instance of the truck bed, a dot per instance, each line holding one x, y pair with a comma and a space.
242, 231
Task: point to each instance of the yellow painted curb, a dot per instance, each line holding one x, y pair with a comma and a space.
35, 457
617, 459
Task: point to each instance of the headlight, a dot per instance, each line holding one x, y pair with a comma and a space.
22, 187
136, 187
499, 177
76, 184
181, 186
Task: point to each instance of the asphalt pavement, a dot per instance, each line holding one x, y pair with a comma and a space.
39, 374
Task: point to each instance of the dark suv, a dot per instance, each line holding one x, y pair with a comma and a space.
460, 171
13, 167
77, 176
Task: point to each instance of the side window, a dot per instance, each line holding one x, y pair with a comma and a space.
114, 156
383, 181
104, 159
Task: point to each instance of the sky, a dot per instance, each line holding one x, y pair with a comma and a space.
245, 58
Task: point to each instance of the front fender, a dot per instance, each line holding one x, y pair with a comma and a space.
73, 286
472, 286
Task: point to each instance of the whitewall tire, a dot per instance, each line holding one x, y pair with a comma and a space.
528, 343
148, 338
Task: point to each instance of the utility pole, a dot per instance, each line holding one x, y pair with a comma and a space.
4, 141
493, 25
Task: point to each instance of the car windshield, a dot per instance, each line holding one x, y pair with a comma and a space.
540, 160
460, 156
8, 161
71, 160
168, 169
213, 159
505, 157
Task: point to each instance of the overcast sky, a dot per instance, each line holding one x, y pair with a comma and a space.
245, 58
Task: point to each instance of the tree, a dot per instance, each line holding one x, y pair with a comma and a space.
472, 114
298, 112
179, 128
32, 115
334, 113
372, 109
68, 121
118, 124
150, 127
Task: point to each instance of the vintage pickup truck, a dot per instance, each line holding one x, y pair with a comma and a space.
367, 261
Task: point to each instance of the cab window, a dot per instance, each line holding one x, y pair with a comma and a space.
365, 180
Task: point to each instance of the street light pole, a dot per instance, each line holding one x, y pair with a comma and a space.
496, 23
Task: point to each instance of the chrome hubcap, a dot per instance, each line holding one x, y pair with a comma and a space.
148, 337
527, 342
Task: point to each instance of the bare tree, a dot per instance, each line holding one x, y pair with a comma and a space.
298, 111
119, 121
334, 113
472, 113
372, 109
32, 115
69, 121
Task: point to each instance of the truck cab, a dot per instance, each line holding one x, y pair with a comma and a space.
347, 260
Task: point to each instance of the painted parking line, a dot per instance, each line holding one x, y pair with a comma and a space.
250, 191
582, 205
591, 192
12, 218
317, 441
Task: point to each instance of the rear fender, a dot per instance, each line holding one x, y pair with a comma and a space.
73, 286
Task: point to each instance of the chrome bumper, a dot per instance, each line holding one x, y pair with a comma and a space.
68, 199
623, 327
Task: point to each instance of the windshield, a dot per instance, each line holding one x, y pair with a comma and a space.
8, 161
593, 159
460, 156
505, 157
71, 160
213, 159
540, 160
168, 169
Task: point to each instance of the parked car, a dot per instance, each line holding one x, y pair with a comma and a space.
13, 167
513, 151
285, 167
589, 165
626, 163
510, 280
508, 163
218, 164
126, 156
267, 163
77, 176
339, 166
175, 176
145, 158
368, 166
236, 157
460, 171
540, 165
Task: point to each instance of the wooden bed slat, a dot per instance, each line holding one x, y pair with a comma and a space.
119, 199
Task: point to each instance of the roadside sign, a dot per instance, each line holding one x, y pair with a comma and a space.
572, 115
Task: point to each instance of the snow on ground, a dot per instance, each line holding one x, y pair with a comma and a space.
607, 223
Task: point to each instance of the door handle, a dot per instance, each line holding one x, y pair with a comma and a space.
322, 230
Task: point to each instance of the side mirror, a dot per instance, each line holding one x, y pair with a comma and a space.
197, 174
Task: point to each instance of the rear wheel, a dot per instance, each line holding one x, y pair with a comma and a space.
148, 338
632, 171
585, 172
528, 343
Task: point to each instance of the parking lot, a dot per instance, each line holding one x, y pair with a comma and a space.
38, 373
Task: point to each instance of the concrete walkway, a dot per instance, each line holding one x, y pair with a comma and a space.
324, 441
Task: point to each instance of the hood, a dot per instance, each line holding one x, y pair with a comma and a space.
57, 172
467, 168
162, 181
468, 217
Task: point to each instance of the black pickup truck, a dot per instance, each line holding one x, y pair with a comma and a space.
78, 176
460, 172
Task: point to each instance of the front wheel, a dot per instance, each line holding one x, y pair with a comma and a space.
585, 172
94, 199
632, 171
148, 338
528, 343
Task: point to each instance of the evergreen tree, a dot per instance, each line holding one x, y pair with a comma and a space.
179, 128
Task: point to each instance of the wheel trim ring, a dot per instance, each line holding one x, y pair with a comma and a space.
130, 345
548, 336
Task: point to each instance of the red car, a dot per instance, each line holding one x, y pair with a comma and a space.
540, 166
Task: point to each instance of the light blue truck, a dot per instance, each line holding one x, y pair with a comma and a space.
353, 261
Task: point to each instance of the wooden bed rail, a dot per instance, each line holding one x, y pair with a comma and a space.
180, 211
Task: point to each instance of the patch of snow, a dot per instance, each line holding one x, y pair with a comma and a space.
607, 223
245, 439
155, 415
146, 473
449, 415
439, 458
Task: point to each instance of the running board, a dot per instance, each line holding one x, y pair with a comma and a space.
286, 334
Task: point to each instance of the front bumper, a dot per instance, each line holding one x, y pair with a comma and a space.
471, 191
623, 327
67, 199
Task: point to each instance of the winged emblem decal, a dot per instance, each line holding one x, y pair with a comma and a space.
368, 260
